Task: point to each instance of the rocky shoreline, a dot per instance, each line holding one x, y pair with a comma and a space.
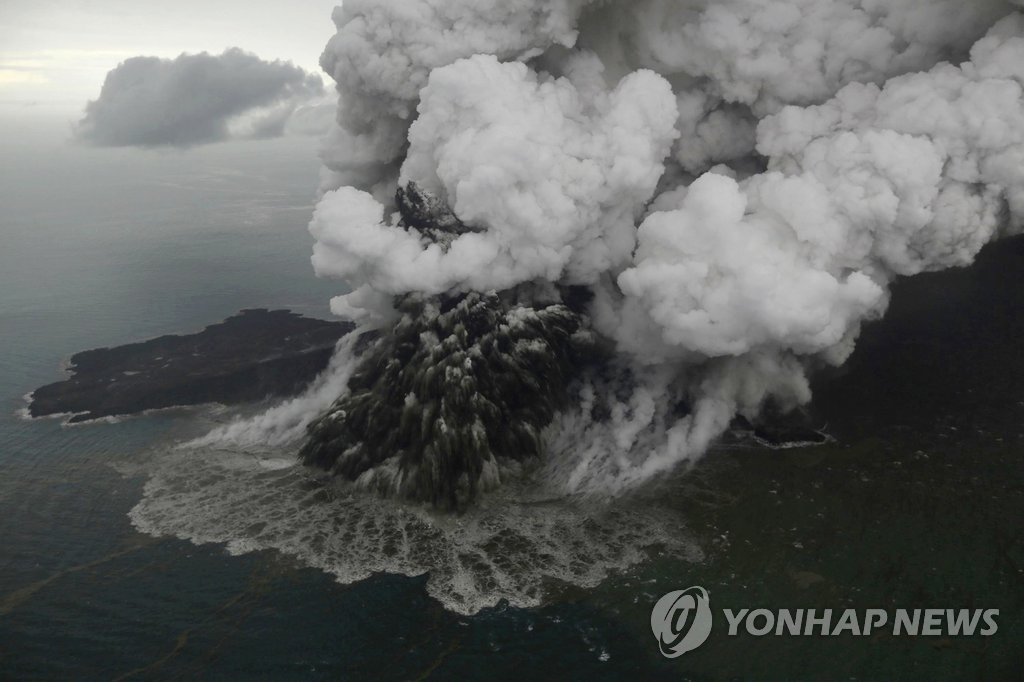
248, 357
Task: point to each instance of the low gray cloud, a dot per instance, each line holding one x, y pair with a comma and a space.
196, 99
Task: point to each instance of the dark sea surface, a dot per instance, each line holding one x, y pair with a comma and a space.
918, 503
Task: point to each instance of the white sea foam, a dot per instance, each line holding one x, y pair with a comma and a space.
511, 546
229, 487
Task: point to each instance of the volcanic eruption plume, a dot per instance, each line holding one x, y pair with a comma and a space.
619, 225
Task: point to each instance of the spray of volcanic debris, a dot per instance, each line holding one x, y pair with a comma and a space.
702, 200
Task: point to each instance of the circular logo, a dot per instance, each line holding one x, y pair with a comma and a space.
681, 621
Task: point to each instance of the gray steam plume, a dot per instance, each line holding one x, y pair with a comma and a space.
197, 99
735, 183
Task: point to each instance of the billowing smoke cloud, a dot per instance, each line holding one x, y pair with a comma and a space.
493, 164
197, 99
384, 52
736, 182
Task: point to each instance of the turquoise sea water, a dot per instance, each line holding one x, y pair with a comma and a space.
919, 503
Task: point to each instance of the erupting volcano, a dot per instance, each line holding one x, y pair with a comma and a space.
637, 220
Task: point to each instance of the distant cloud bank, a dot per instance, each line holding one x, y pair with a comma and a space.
201, 98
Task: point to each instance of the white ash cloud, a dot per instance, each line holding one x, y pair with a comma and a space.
197, 99
916, 175
728, 56
770, 54
737, 181
494, 164
384, 52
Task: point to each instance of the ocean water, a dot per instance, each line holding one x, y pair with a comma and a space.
102, 247
123, 556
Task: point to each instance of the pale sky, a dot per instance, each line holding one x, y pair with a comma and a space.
54, 54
